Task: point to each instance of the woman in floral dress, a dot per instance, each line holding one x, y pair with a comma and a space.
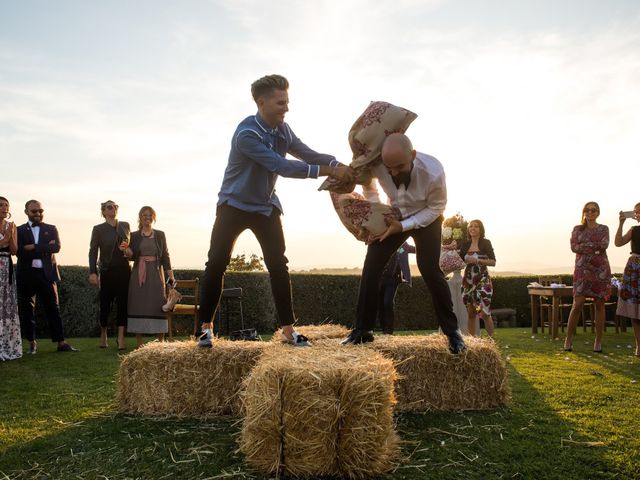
477, 288
592, 274
629, 294
10, 339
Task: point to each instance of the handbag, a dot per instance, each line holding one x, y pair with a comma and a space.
450, 261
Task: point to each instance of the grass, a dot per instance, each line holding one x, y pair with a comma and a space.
573, 416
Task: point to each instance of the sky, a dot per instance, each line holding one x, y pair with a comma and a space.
531, 106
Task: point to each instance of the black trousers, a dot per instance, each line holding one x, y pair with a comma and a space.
386, 303
114, 286
427, 241
31, 285
230, 223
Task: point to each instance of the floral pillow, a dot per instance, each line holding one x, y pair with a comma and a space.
363, 219
366, 137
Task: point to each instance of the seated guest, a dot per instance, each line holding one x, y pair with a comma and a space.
147, 292
37, 276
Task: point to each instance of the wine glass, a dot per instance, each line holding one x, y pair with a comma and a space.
123, 241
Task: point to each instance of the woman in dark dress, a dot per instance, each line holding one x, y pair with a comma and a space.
147, 291
477, 288
592, 273
629, 294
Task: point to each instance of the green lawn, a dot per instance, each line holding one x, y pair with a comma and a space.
573, 416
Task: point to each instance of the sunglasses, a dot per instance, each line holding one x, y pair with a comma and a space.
111, 207
590, 210
39, 210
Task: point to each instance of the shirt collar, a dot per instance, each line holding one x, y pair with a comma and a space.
265, 128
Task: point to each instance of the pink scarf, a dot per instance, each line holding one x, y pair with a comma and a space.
142, 267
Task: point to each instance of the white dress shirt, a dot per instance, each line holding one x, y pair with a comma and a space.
424, 200
36, 262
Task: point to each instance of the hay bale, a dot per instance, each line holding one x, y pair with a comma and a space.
181, 379
430, 378
317, 332
326, 410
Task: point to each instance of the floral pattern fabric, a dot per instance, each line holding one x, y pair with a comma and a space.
366, 137
592, 273
629, 294
477, 288
362, 218
10, 338
450, 260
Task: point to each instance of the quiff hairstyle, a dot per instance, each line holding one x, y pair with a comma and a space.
267, 84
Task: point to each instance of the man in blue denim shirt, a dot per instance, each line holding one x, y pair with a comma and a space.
247, 199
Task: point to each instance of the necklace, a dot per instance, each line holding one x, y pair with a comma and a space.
146, 236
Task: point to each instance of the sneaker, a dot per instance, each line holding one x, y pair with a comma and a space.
33, 348
298, 340
206, 339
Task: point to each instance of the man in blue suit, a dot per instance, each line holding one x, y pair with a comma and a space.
37, 276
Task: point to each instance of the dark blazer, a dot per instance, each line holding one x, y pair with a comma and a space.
161, 242
105, 239
484, 246
44, 250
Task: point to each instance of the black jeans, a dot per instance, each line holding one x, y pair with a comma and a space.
114, 285
230, 223
386, 303
427, 241
32, 284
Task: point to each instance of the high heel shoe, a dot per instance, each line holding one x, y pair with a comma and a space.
568, 349
597, 351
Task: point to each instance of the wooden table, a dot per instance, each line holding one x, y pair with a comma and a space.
556, 293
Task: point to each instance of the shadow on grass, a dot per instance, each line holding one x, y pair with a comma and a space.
522, 441
119, 447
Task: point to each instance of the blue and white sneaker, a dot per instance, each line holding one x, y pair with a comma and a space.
206, 339
299, 340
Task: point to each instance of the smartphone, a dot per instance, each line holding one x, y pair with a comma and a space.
629, 214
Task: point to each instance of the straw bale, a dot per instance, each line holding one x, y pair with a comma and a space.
181, 379
317, 332
326, 410
430, 378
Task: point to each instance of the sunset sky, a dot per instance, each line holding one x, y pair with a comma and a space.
531, 106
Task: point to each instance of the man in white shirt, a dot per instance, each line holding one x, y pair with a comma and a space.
415, 184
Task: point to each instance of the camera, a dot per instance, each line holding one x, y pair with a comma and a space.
629, 214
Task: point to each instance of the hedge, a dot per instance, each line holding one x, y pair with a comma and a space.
317, 299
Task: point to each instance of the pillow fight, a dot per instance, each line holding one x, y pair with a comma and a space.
384, 158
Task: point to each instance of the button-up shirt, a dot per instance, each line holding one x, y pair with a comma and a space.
35, 231
256, 159
423, 201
